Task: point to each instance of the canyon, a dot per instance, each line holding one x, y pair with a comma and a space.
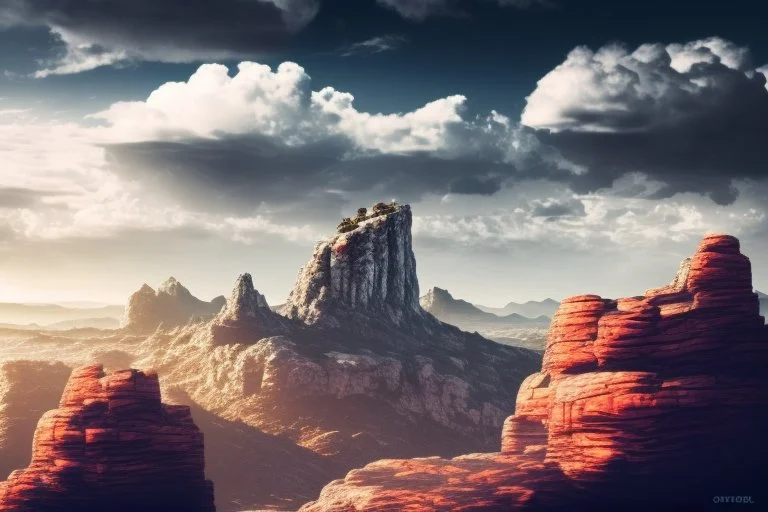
659, 398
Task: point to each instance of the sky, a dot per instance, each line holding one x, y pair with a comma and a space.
547, 147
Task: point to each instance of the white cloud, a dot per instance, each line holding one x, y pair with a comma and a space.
81, 55
280, 103
613, 90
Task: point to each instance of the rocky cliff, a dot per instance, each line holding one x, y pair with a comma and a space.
171, 305
369, 271
358, 372
112, 445
645, 400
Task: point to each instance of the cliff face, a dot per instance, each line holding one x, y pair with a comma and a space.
359, 372
112, 445
172, 305
659, 398
369, 271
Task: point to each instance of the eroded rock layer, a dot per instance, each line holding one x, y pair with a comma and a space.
658, 399
112, 445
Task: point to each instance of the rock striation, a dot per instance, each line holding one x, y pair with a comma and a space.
369, 271
171, 305
112, 445
644, 400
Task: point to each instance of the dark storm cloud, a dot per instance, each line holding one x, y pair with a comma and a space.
237, 174
168, 30
692, 127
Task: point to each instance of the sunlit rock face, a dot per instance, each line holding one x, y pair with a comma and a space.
369, 271
655, 399
112, 445
357, 370
171, 305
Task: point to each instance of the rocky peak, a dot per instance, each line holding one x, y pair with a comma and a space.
171, 305
434, 297
369, 270
247, 317
245, 301
174, 288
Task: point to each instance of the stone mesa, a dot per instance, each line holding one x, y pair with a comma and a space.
112, 445
654, 399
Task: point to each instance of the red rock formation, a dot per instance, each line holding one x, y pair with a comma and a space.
643, 401
112, 445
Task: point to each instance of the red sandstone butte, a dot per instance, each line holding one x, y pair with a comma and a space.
112, 445
643, 403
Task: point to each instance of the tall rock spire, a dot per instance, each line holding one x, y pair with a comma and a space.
369, 270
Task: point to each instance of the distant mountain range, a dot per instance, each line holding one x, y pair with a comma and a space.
531, 309
56, 316
454, 311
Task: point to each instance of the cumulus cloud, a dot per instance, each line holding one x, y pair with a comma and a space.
265, 135
692, 116
102, 32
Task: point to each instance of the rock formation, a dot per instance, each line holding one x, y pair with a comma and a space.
370, 270
27, 390
112, 445
247, 317
642, 401
172, 305
359, 371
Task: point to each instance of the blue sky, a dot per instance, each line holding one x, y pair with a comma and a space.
532, 138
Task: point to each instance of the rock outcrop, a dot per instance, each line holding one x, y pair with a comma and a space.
247, 317
358, 372
171, 305
369, 271
112, 445
655, 399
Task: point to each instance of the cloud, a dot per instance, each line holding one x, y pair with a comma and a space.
102, 32
418, 10
692, 116
263, 135
378, 44
553, 208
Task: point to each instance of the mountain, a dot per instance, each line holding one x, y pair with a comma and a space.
466, 316
530, 309
84, 323
112, 445
353, 370
654, 399
170, 306
45, 314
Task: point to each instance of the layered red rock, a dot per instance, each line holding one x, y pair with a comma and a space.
112, 445
644, 400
